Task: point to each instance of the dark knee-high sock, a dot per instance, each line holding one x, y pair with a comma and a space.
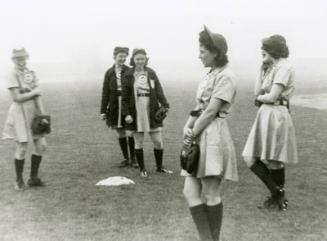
215, 216
123, 146
279, 176
19, 168
131, 145
35, 164
261, 170
200, 218
140, 158
158, 154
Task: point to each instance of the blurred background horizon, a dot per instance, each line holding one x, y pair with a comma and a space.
73, 40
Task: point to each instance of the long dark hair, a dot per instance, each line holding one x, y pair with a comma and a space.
205, 41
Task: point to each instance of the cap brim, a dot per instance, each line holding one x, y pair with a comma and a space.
207, 30
20, 56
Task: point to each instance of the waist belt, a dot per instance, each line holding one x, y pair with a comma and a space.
118, 92
143, 95
282, 102
197, 113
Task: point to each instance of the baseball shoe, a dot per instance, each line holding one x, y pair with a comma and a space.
124, 163
134, 163
164, 170
20, 185
144, 174
35, 182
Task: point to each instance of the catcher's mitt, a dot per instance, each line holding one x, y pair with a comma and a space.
41, 125
189, 158
161, 114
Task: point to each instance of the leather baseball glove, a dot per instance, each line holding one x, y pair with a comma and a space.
41, 125
161, 114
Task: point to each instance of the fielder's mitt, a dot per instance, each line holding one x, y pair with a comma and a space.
161, 114
189, 158
41, 125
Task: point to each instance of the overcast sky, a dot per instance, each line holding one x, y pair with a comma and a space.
81, 34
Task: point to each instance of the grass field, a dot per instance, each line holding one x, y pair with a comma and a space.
83, 151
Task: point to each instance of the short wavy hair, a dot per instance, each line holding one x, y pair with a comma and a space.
132, 62
276, 46
221, 59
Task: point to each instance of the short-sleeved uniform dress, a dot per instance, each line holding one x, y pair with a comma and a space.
272, 136
217, 151
21, 115
142, 102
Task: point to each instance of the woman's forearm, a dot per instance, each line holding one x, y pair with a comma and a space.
24, 97
203, 121
190, 122
273, 96
267, 99
207, 116
39, 105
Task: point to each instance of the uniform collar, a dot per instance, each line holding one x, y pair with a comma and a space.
217, 70
17, 70
117, 67
280, 61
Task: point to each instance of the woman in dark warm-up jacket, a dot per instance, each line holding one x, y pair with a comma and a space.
111, 105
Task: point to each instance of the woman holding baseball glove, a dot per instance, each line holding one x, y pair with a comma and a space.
26, 121
272, 143
207, 128
144, 107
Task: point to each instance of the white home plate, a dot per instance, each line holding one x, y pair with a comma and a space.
115, 181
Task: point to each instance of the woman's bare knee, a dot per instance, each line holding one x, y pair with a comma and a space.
121, 133
138, 140
211, 190
250, 161
273, 165
158, 145
21, 149
212, 199
40, 146
192, 192
129, 133
157, 140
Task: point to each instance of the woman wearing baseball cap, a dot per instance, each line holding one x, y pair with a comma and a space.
111, 105
143, 97
207, 126
271, 143
26, 94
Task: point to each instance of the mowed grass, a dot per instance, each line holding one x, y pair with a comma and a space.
83, 151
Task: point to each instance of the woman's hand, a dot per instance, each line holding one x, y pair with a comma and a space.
36, 91
129, 119
188, 136
187, 132
257, 103
44, 121
103, 116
